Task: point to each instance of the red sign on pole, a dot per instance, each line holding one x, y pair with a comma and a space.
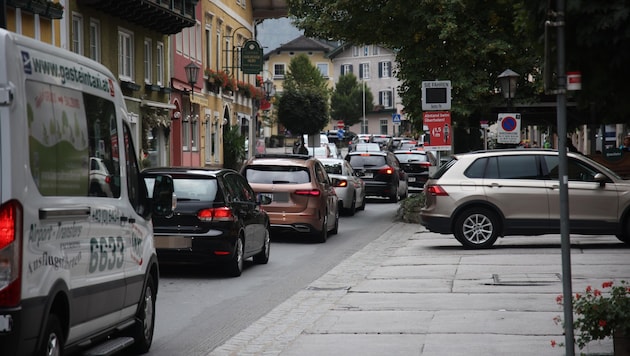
438, 125
340, 124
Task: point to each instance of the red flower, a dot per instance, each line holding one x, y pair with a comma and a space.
597, 293
588, 289
553, 343
559, 299
602, 323
607, 284
578, 296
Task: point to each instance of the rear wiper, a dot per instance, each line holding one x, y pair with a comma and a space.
280, 182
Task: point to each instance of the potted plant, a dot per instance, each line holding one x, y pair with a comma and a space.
602, 313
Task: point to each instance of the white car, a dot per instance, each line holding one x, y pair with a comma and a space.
349, 187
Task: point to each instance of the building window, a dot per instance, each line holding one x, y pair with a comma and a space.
375, 50
148, 60
179, 40
364, 71
194, 128
125, 54
385, 98
159, 63
278, 71
323, 69
383, 124
217, 52
346, 69
385, 69
208, 34
95, 40
198, 49
77, 34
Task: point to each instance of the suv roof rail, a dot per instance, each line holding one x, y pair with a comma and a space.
283, 155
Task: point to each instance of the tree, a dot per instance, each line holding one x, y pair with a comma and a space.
470, 42
303, 106
348, 99
467, 42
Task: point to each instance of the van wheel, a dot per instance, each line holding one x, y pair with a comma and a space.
353, 206
53, 343
394, 197
235, 267
335, 229
145, 320
476, 228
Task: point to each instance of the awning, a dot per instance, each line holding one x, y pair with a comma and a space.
157, 104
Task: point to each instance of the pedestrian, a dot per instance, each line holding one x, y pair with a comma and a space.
625, 146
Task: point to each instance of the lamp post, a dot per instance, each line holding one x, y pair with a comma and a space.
192, 71
508, 80
364, 128
268, 89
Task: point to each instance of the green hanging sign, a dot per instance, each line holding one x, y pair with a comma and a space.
251, 57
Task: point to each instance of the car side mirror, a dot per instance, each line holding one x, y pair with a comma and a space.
164, 200
263, 199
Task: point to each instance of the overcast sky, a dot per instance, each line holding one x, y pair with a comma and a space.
272, 33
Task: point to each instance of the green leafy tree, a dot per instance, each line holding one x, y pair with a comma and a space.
303, 111
347, 100
233, 147
303, 106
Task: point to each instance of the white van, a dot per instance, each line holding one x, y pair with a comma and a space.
77, 261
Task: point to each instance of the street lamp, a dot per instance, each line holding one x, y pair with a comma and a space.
508, 79
364, 129
192, 71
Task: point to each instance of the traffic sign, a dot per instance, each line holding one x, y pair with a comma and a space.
436, 95
340, 124
509, 128
396, 118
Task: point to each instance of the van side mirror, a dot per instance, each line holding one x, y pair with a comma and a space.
163, 198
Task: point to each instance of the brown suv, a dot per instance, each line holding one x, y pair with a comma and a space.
302, 196
480, 196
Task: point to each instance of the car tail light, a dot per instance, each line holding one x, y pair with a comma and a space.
425, 164
341, 183
10, 238
108, 179
216, 214
310, 192
387, 170
436, 190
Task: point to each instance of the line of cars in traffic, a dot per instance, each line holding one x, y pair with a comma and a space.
225, 217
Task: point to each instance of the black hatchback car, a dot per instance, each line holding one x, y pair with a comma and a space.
218, 219
381, 172
416, 164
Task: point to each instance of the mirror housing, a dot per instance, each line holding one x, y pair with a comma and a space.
163, 198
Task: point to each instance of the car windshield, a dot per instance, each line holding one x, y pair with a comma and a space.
277, 174
411, 157
204, 189
367, 161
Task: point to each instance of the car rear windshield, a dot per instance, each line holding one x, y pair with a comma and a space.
277, 174
332, 168
412, 157
367, 161
193, 189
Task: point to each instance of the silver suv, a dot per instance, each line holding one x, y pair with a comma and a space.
480, 196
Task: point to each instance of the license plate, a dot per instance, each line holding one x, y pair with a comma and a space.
411, 179
173, 242
367, 175
281, 196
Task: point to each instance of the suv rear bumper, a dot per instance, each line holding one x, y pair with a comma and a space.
382, 189
436, 224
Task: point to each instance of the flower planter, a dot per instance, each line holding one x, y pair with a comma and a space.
621, 344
